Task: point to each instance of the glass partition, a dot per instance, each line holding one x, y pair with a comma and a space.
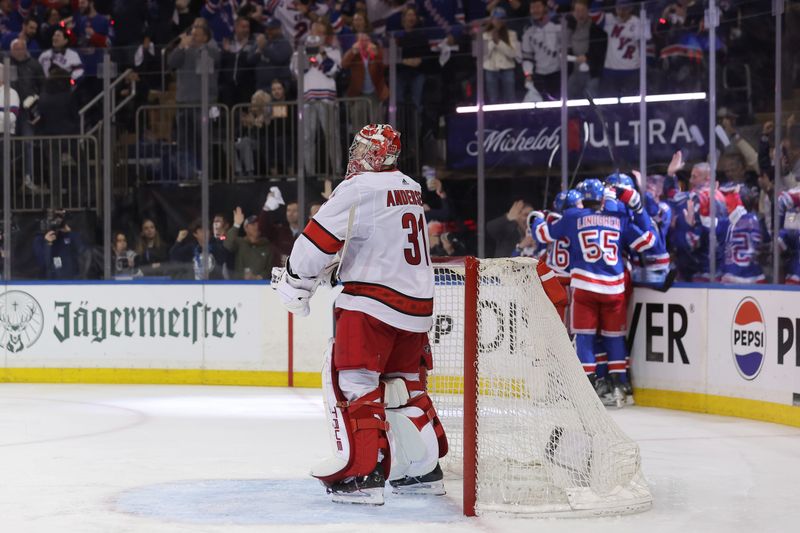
560, 91
785, 177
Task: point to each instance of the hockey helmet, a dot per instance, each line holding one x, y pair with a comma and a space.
376, 147
573, 197
618, 179
591, 190
558, 201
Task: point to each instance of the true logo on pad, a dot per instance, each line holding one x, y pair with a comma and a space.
748, 338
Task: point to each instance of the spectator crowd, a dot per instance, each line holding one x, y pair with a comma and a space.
253, 50
252, 46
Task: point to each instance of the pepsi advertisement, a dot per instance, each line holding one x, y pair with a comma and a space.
735, 350
596, 135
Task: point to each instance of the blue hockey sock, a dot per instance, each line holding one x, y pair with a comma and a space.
584, 345
616, 357
601, 357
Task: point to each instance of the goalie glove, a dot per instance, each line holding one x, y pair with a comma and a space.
295, 293
630, 197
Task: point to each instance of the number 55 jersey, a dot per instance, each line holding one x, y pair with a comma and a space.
597, 241
386, 268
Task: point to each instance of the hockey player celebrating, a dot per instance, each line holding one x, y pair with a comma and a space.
597, 275
557, 253
382, 421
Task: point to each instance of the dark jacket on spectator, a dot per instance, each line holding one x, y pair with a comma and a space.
271, 62
58, 108
62, 258
506, 235
236, 77
598, 42
150, 255
30, 76
161, 23
413, 44
131, 18
279, 234
185, 252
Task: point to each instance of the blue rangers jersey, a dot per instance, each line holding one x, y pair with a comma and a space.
557, 252
698, 237
789, 241
657, 257
741, 249
678, 240
598, 241
788, 202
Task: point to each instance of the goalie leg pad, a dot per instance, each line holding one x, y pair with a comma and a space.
416, 436
357, 424
428, 418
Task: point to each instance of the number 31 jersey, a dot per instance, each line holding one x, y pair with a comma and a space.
386, 269
597, 239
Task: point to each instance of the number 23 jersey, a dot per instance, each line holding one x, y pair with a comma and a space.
386, 269
597, 240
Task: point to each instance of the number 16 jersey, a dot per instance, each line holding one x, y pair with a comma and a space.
386, 269
597, 240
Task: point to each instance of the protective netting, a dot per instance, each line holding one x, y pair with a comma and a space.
545, 442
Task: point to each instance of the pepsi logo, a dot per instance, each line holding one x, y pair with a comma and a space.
748, 338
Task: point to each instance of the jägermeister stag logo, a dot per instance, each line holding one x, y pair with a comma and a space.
21, 321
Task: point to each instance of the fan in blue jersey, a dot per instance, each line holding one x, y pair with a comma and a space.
654, 264
789, 241
678, 242
698, 214
789, 233
744, 238
788, 205
597, 273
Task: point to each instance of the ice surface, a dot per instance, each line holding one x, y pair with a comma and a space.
112, 458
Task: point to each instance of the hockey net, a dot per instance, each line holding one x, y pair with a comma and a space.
525, 427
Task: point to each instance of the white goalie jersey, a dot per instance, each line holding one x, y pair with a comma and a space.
386, 269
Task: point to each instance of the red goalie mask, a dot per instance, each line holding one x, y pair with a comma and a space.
376, 147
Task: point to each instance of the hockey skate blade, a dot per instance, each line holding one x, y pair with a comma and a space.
608, 400
373, 496
619, 398
432, 488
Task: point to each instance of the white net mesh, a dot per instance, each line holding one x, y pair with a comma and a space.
545, 443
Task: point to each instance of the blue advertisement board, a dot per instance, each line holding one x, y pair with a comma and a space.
531, 138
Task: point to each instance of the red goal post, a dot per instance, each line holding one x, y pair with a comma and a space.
525, 428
